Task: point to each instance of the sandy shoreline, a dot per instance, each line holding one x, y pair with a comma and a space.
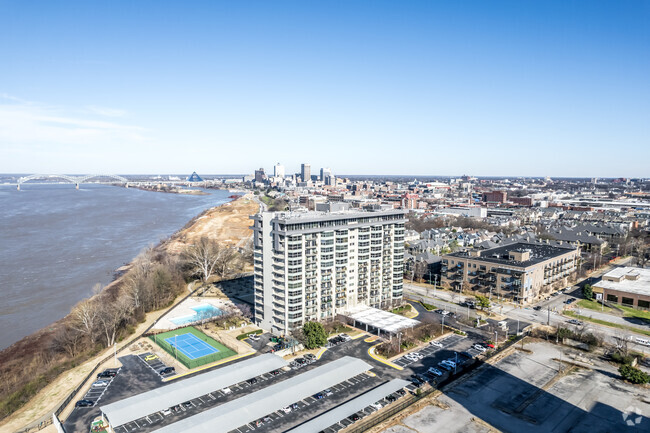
227, 223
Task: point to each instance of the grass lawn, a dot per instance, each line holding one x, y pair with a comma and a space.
593, 305
633, 312
604, 322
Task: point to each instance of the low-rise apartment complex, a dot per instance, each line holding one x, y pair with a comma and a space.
312, 266
627, 286
520, 271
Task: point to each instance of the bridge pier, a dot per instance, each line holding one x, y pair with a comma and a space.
18, 187
76, 186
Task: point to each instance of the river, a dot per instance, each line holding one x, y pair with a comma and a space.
56, 242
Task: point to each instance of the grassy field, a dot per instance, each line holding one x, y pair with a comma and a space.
639, 314
593, 305
224, 352
606, 323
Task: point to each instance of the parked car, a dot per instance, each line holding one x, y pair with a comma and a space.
537, 307
328, 392
354, 417
391, 398
575, 322
345, 337
479, 347
84, 403
226, 390
310, 357
489, 345
445, 365
100, 384
107, 374
168, 370
434, 371
275, 372
187, 404
251, 381
418, 355
436, 343
286, 409
400, 392
166, 412
570, 301
176, 408
254, 337
150, 357
376, 405
318, 395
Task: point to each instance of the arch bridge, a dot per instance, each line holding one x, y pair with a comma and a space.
76, 180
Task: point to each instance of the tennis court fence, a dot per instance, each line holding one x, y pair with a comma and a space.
223, 351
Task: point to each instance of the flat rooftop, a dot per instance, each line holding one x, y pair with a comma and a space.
501, 255
350, 407
384, 320
628, 279
146, 403
246, 409
313, 216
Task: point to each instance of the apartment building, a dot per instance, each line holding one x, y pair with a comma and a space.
312, 266
520, 271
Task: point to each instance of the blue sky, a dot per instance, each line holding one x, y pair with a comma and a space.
536, 88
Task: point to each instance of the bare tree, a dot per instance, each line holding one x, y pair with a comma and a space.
111, 317
203, 257
229, 260
85, 318
67, 339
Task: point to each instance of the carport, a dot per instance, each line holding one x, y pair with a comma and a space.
138, 406
246, 409
377, 321
353, 406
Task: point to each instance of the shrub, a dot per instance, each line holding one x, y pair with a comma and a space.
633, 375
246, 334
587, 291
429, 307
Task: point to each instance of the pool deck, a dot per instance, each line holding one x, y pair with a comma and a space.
184, 309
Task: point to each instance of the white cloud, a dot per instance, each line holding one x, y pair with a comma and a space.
24, 123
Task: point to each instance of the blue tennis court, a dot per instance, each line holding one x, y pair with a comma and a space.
191, 346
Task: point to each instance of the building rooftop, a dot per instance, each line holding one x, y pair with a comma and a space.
300, 217
627, 279
501, 255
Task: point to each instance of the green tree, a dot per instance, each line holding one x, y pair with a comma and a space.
633, 375
483, 302
587, 291
314, 335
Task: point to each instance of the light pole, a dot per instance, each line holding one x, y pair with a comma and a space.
442, 328
496, 337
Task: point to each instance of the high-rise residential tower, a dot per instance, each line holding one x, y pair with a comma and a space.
278, 170
314, 265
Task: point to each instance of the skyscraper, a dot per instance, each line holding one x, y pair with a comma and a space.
314, 265
305, 172
324, 172
278, 170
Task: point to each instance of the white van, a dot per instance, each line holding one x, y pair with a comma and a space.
642, 341
503, 324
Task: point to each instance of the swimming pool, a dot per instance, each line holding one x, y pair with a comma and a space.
203, 311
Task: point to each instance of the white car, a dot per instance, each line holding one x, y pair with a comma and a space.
417, 355
286, 409
254, 337
450, 363
411, 357
436, 344
479, 348
434, 371
377, 405
100, 384
166, 412
226, 391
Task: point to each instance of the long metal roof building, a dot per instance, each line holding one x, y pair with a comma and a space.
351, 407
246, 409
140, 405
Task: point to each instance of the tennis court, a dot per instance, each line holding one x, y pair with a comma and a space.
191, 346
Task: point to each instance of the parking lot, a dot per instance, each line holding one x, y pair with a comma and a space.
155, 364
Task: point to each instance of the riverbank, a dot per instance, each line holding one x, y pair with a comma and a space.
228, 224
169, 189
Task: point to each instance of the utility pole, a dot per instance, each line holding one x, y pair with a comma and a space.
442, 328
496, 337
548, 318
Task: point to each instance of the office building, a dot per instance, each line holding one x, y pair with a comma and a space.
278, 170
324, 173
305, 172
521, 271
259, 175
314, 265
627, 286
495, 197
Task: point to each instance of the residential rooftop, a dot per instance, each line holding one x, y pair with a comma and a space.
508, 254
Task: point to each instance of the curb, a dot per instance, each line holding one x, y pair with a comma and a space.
371, 352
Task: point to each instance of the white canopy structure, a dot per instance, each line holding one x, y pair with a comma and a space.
141, 405
253, 406
353, 406
380, 320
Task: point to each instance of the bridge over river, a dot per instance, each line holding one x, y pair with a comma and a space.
106, 179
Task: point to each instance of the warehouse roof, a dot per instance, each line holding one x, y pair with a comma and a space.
140, 405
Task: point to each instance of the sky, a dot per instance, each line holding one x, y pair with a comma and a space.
484, 88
